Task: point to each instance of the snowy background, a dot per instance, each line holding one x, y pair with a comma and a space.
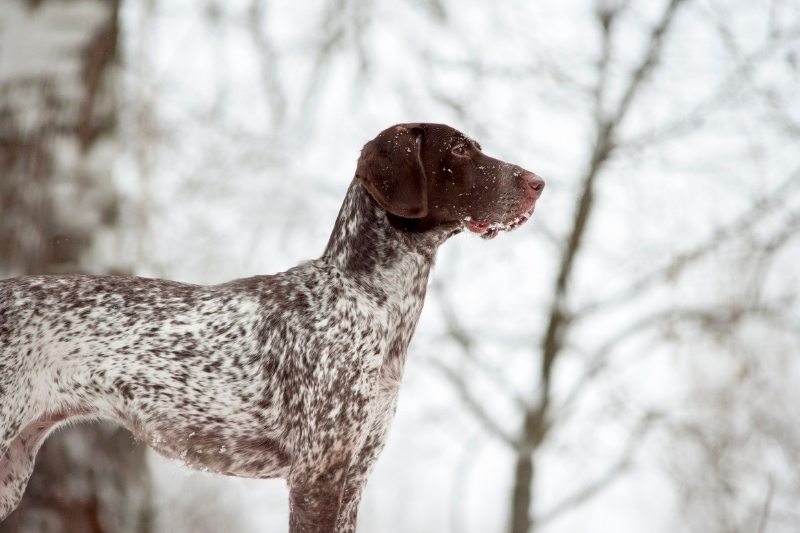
668, 133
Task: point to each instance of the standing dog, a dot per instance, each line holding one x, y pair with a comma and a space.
292, 375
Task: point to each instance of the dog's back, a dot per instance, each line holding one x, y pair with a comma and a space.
209, 375
15, 312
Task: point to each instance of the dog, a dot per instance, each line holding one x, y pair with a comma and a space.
292, 375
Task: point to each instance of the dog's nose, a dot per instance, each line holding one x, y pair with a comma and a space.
534, 182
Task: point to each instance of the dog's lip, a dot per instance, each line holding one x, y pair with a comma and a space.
489, 230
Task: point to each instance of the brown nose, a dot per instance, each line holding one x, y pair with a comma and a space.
534, 182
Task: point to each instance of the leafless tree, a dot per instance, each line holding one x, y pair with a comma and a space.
613, 101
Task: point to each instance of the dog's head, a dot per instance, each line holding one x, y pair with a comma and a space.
432, 174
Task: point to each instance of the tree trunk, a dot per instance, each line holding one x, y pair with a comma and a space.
57, 123
522, 494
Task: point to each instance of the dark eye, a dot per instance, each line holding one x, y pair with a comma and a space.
460, 150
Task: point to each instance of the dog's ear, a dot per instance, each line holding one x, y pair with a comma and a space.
390, 167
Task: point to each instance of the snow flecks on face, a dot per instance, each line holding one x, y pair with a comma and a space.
490, 230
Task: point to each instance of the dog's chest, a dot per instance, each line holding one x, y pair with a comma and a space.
404, 321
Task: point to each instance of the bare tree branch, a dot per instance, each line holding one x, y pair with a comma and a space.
343, 20
700, 112
713, 317
477, 408
650, 59
612, 473
268, 60
747, 75
458, 333
791, 229
606, 15
765, 512
480, 68
758, 211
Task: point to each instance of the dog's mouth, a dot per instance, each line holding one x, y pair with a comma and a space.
490, 230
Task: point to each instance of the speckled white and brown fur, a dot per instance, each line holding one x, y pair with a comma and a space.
292, 375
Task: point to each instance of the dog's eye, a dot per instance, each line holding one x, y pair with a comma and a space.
460, 150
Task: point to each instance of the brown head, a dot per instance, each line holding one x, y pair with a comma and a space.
427, 175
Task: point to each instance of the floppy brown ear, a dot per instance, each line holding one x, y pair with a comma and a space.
390, 167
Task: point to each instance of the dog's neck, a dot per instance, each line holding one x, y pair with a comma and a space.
366, 244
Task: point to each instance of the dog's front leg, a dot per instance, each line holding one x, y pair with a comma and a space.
315, 494
351, 496
361, 467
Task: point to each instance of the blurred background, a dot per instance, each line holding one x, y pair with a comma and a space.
627, 361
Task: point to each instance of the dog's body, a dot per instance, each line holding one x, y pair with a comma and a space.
293, 375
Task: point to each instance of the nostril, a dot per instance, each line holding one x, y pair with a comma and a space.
535, 182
